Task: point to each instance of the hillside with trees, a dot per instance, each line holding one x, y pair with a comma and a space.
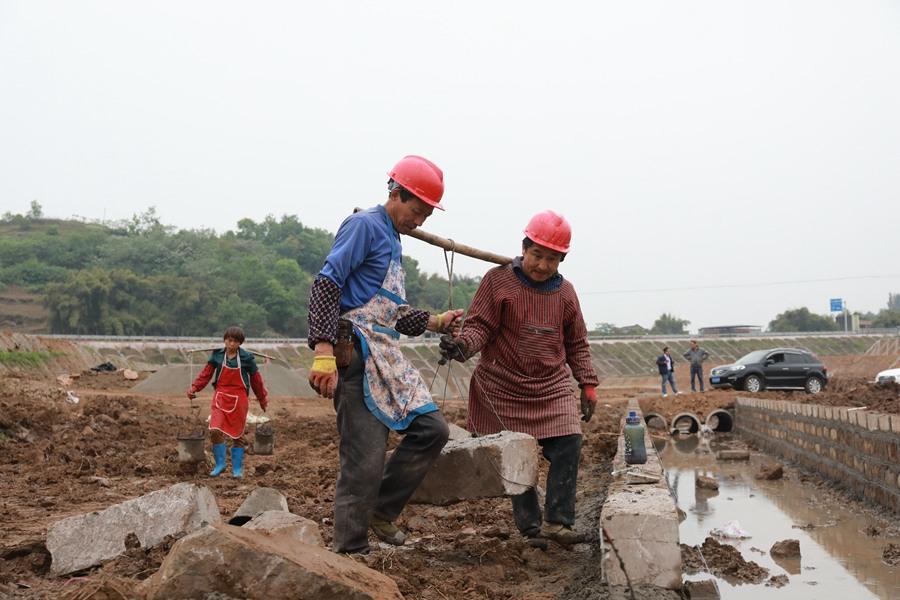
141, 277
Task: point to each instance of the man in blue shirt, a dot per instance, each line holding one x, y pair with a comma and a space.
357, 313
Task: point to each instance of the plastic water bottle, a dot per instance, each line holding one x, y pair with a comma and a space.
635, 450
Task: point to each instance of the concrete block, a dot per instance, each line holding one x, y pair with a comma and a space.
884, 423
86, 540
829, 412
733, 455
259, 501
872, 421
225, 561
502, 464
458, 433
281, 523
895, 423
644, 529
843, 415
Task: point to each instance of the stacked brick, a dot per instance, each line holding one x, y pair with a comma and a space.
857, 449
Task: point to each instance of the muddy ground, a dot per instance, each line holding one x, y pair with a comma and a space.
59, 459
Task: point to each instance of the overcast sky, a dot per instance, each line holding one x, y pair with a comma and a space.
690, 144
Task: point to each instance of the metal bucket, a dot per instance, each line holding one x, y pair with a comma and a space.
190, 447
264, 439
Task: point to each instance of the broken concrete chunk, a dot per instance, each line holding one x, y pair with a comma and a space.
701, 590
130, 374
458, 433
707, 483
771, 473
786, 549
86, 540
259, 501
733, 455
223, 561
501, 464
287, 524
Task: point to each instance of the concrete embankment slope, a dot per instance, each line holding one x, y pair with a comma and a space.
612, 358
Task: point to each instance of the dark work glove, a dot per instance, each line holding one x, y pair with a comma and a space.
452, 349
588, 402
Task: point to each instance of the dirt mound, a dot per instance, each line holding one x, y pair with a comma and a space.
849, 392
723, 560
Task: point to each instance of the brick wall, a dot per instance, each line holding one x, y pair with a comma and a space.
857, 449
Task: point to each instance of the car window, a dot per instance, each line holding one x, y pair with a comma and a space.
778, 357
752, 358
795, 359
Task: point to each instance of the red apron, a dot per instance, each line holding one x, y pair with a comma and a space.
228, 411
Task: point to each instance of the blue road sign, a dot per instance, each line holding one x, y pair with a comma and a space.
837, 304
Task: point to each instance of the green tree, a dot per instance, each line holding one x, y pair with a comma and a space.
801, 319
36, 211
668, 324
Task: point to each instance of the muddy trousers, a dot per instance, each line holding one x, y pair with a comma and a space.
564, 453
217, 437
366, 486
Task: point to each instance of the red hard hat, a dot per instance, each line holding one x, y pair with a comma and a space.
551, 230
421, 177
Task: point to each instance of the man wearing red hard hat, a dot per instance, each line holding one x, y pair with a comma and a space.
526, 322
357, 313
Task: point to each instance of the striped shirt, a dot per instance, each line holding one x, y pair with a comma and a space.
531, 343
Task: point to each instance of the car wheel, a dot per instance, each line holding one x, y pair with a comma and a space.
753, 384
813, 385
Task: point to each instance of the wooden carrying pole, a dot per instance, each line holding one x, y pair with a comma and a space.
451, 246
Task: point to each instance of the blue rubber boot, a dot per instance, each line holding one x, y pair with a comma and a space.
237, 462
219, 452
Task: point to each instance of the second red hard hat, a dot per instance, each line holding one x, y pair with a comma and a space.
549, 229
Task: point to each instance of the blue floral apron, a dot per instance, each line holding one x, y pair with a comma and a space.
393, 388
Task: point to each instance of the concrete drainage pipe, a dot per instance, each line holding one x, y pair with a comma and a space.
720, 421
685, 423
656, 421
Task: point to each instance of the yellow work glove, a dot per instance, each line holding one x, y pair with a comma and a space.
323, 375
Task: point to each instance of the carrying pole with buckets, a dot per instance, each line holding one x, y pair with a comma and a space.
264, 431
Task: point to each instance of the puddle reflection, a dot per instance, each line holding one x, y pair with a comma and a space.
838, 560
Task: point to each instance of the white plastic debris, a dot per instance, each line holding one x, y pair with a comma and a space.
731, 530
257, 419
72, 398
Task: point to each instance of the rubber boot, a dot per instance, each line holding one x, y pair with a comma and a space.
219, 451
237, 462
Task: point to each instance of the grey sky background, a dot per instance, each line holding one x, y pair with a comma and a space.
690, 144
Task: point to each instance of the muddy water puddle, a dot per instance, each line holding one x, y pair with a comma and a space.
840, 558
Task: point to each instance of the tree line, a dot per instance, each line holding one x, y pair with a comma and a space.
140, 277
792, 320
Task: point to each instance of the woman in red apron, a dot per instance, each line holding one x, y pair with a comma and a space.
233, 372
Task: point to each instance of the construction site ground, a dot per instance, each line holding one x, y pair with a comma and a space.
59, 459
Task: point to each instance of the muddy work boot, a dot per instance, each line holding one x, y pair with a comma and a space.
561, 534
535, 541
387, 532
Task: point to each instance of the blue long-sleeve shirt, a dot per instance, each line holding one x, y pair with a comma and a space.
359, 259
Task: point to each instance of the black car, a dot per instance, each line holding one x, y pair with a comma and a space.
779, 368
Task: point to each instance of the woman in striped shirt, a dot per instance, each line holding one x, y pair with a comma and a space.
526, 321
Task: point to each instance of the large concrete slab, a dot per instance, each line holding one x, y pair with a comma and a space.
86, 540
257, 502
502, 464
224, 561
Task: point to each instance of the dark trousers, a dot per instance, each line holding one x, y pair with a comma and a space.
366, 486
696, 371
563, 452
